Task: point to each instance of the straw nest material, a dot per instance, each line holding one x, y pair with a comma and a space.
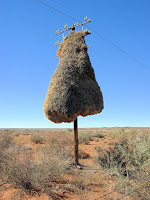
73, 90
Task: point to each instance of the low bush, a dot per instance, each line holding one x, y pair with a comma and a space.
99, 135
61, 155
83, 155
19, 165
5, 141
129, 159
85, 138
130, 152
37, 139
70, 130
115, 133
17, 134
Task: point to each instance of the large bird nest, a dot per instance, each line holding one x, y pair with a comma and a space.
73, 90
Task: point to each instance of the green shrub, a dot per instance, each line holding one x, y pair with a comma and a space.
130, 152
138, 150
114, 134
85, 138
129, 159
99, 135
122, 129
70, 130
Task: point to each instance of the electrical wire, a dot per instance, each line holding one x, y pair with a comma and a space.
57, 10
100, 35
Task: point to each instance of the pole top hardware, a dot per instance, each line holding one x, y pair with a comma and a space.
77, 24
58, 43
73, 27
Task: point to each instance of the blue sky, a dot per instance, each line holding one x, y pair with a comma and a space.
28, 59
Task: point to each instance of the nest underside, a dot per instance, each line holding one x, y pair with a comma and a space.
65, 102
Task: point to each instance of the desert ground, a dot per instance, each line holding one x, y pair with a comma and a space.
37, 164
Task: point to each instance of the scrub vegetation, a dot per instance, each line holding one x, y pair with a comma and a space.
39, 163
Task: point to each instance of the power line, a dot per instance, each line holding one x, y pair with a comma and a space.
59, 11
116, 46
101, 36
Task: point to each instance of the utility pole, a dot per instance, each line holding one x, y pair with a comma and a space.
73, 27
76, 142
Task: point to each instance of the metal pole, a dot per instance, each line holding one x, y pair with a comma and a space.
76, 156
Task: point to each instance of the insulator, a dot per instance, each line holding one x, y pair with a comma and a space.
65, 26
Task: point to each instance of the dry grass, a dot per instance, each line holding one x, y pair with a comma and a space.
129, 160
19, 166
47, 168
6, 141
